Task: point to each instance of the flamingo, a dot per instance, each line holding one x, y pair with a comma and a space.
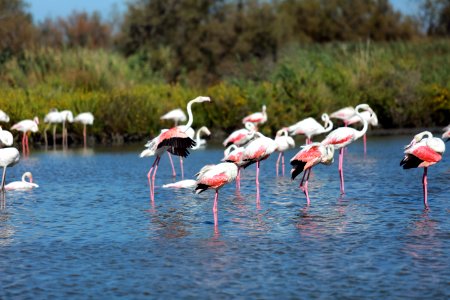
22, 185
284, 142
215, 177
343, 136
200, 143
66, 115
242, 136
8, 158
85, 118
423, 151
183, 184
53, 117
257, 117
344, 114
177, 115
446, 134
3, 117
25, 126
234, 154
173, 140
258, 150
310, 127
308, 157
371, 119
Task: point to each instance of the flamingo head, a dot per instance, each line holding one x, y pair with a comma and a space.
329, 155
200, 99
36, 120
27, 175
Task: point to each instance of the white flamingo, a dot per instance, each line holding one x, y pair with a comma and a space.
66, 116
23, 184
3, 117
85, 118
284, 143
201, 143
8, 157
371, 119
52, 118
310, 127
177, 115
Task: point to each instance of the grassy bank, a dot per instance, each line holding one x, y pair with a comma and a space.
407, 84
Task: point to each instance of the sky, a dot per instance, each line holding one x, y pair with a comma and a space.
40, 9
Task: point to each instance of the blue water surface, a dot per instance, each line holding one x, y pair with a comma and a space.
90, 231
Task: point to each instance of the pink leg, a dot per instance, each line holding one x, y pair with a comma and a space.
238, 179
257, 173
303, 179
425, 185
365, 142
216, 223
182, 170
282, 162
28, 146
23, 144
341, 169
149, 176
258, 198
278, 162
153, 178
84, 135
171, 163
305, 190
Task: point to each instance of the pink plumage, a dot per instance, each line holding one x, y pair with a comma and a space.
257, 117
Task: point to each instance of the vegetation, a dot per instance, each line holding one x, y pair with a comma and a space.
299, 57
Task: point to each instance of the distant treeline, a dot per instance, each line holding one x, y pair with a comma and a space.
299, 57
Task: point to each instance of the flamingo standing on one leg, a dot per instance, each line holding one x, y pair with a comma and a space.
174, 140
423, 151
25, 126
234, 154
22, 185
215, 177
371, 119
257, 117
52, 118
308, 157
256, 151
284, 142
85, 118
310, 127
343, 136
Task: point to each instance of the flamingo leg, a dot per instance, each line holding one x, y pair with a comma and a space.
23, 144
215, 210
365, 144
54, 135
149, 176
238, 179
303, 179
171, 164
27, 145
182, 169
64, 135
3, 180
305, 190
278, 162
282, 163
257, 173
153, 178
341, 169
84, 135
45, 135
425, 187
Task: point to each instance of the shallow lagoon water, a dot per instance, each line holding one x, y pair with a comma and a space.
90, 230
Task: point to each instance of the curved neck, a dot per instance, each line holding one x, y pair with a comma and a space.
363, 131
328, 125
421, 135
26, 175
190, 116
229, 149
197, 135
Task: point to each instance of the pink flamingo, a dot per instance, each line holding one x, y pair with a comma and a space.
308, 157
310, 127
343, 136
174, 140
234, 154
258, 150
257, 117
284, 143
343, 114
22, 185
423, 152
25, 126
215, 177
446, 134
242, 136
371, 119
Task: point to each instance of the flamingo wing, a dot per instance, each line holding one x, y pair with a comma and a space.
177, 141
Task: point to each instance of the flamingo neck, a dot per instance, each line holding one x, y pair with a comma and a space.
328, 125
190, 116
363, 131
25, 176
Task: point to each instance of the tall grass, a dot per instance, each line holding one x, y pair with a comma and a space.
407, 84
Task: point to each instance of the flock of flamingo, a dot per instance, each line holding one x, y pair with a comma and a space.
9, 156
244, 147
248, 146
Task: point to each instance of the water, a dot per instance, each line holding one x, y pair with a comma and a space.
90, 231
